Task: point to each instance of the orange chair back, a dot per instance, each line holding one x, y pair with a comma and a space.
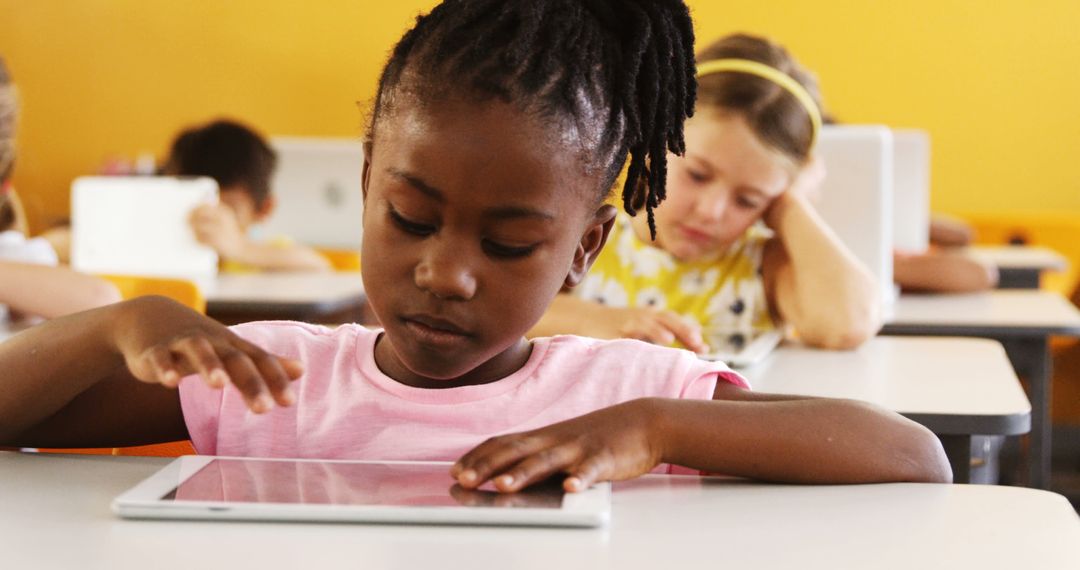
179, 290
342, 259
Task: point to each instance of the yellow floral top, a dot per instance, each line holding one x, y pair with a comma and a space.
725, 294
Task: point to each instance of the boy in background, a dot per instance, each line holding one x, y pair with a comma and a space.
242, 163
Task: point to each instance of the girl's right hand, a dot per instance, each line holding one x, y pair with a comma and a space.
162, 341
656, 326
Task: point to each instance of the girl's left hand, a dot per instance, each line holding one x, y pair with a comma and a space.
616, 443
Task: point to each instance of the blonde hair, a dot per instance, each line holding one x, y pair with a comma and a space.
9, 111
773, 113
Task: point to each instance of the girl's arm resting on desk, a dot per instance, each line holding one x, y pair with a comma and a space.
50, 292
740, 433
216, 226
943, 272
274, 257
95, 379
571, 315
814, 282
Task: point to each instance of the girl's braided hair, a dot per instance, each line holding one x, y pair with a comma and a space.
622, 69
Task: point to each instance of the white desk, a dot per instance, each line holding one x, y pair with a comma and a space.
956, 387
56, 515
1019, 267
1022, 320
297, 296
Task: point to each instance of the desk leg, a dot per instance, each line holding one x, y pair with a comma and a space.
958, 450
1019, 278
1031, 358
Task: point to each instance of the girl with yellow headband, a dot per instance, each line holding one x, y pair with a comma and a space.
738, 247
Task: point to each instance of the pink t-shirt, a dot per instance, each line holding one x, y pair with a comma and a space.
347, 408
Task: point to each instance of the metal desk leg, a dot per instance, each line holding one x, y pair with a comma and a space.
1019, 278
958, 450
1031, 358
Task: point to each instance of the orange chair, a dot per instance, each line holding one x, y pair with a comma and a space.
132, 286
341, 259
181, 291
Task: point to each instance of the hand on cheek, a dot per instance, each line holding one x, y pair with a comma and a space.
216, 225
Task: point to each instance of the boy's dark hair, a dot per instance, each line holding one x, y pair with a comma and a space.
620, 71
227, 151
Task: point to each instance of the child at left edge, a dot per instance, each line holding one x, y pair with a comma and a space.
470, 230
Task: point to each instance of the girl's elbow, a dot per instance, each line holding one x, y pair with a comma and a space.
843, 331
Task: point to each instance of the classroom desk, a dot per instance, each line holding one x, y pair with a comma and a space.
313, 297
1019, 266
956, 387
1022, 320
56, 515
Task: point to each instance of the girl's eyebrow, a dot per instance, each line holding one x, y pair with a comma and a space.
424, 188
754, 190
501, 212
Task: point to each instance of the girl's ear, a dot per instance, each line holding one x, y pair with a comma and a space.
592, 241
365, 176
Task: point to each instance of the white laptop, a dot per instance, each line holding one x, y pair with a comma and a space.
911, 190
857, 196
138, 225
317, 186
231, 488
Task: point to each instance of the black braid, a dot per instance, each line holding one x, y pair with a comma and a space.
630, 59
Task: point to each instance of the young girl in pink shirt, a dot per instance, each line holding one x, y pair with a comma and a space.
498, 129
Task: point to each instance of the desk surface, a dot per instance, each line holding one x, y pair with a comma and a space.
993, 313
271, 292
950, 385
1019, 257
56, 515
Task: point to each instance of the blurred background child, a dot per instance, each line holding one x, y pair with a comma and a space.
738, 246
242, 163
944, 267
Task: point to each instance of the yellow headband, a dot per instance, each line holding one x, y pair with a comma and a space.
772, 74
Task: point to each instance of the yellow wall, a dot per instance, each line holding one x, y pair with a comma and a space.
996, 83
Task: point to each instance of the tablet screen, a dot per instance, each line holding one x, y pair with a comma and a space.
333, 483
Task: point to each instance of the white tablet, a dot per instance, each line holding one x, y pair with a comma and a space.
739, 350
230, 488
138, 225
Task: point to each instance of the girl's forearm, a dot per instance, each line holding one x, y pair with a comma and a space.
46, 367
798, 441
271, 257
825, 292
